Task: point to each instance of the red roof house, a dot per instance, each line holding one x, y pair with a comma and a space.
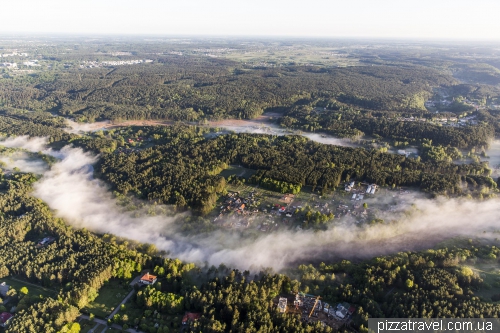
5, 318
190, 317
148, 279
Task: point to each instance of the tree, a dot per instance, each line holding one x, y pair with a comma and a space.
4, 271
24, 291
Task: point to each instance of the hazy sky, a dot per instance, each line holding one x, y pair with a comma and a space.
457, 19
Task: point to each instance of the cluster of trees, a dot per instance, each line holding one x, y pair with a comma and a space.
440, 153
274, 185
479, 73
75, 265
316, 219
182, 168
42, 124
347, 122
428, 284
152, 298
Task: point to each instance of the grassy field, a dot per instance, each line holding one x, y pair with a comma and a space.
86, 325
33, 289
110, 295
237, 171
104, 328
298, 55
490, 273
131, 310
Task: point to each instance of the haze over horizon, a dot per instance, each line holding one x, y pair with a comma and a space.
442, 19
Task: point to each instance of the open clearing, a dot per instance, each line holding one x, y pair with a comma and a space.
110, 295
32, 288
490, 273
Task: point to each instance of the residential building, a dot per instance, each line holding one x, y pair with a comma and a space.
5, 317
148, 279
282, 304
4, 288
190, 317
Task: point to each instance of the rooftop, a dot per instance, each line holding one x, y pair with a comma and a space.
5, 316
148, 277
190, 316
4, 288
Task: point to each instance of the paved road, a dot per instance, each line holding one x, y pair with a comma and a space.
138, 277
130, 294
115, 311
34, 285
105, 323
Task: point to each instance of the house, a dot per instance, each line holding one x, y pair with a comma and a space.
190, 317
348, 187
46, 241
282, 304
148, 279
4, 288
351, 310
341, 312
5, 317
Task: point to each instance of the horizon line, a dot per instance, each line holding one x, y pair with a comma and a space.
243, 36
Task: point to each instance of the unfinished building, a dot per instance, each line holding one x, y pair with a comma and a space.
282, 304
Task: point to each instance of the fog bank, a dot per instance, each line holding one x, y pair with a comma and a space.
70, 190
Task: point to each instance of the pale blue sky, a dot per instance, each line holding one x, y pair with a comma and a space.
456, 19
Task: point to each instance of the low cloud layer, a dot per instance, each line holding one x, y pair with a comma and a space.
24, 162
75, 127
71, 191
276, 130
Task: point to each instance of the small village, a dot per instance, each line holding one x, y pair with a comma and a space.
96, 64
251, 208
5, 317
444, 121
312, 309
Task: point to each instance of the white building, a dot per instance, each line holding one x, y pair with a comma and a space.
148, 279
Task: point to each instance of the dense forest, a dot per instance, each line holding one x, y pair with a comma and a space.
430, 284
34, 124
182, 167
347, 122
180, 164
77, 263
58, 272
433, 283
194, 88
